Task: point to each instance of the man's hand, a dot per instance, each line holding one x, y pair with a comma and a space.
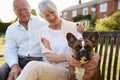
80, 27
92, 63
15, 71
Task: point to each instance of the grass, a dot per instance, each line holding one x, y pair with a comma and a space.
2, 41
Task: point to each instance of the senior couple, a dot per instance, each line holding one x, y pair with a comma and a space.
45, 48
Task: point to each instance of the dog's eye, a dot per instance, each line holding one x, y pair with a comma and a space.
78, 47
88, 48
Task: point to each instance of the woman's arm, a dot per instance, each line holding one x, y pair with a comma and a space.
55, 57
51, 56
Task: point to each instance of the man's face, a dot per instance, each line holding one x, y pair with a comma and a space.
22, 10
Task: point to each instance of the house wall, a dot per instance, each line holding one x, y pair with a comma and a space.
112, 6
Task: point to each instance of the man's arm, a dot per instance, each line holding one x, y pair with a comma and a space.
11, 56
10, 49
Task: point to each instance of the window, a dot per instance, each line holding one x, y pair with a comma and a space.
85, 11
93, 8
103, 7
118, 4
65, 15
74, 13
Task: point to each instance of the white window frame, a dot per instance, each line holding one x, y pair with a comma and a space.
85, 11
103, 7
65, 15
118, 4
74, 13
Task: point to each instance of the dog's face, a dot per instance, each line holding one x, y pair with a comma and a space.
82, 49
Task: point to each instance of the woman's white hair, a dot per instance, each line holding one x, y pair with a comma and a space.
46, 5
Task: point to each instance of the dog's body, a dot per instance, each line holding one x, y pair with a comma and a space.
83, 52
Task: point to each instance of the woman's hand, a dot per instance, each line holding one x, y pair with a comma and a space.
92, 63
72, 61
80, 27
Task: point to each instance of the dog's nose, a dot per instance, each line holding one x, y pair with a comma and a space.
80, 54
84, 53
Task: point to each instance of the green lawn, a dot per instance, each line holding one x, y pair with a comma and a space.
2, 41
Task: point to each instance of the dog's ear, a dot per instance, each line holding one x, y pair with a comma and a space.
94, 38
71, 39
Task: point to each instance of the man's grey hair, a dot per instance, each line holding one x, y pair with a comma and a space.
14, 1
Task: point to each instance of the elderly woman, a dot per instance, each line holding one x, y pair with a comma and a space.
55, 48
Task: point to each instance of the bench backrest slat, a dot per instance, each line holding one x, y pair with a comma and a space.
1, 56
116, 57
104, 57
101, 47
110, 58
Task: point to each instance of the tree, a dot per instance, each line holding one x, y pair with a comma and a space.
3, 27
109, 23
33, 12
81, 17
0, 21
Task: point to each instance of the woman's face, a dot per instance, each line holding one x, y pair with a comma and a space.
51, 17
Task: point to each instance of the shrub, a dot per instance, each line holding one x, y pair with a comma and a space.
3, 27
109, 23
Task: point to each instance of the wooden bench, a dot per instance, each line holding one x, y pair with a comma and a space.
109, 50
